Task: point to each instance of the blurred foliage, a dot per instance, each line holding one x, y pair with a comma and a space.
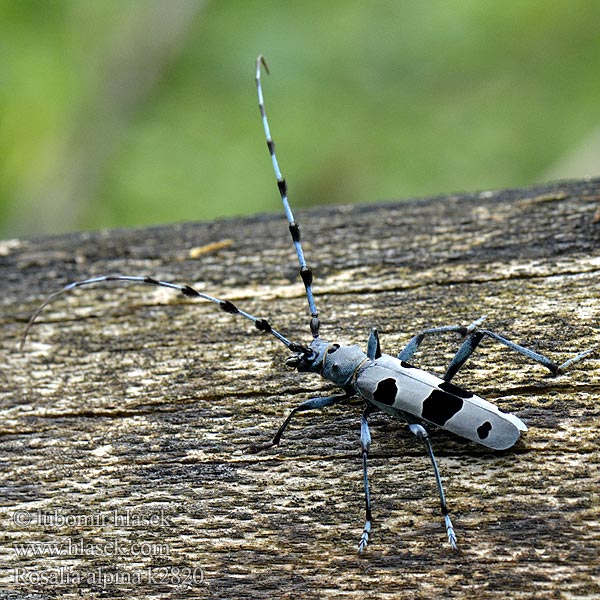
132, 112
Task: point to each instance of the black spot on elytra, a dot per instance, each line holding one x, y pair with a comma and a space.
406, 365
484, 430
454, 389
386, 391
440, 406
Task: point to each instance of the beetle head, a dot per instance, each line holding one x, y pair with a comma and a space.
309, 359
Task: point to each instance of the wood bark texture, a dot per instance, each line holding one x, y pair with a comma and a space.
124, 420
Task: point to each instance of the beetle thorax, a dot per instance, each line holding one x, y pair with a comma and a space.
340, 363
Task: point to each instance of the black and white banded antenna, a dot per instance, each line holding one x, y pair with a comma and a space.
305, 270
186, 290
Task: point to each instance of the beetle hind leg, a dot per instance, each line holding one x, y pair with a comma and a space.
470, 344
473, 335
421, 434
365, 442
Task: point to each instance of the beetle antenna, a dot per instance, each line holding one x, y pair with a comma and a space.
305, 270
186, 290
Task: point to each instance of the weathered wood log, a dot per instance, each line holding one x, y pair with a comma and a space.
126, 416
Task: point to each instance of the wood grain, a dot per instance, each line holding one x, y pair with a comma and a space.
125, 418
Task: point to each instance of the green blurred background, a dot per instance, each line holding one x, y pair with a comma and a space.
133, 112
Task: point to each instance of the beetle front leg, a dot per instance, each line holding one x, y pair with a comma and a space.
373, 345
310, 404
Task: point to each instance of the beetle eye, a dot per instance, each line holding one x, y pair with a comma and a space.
332, 348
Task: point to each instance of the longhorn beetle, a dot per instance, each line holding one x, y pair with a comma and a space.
384, 382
